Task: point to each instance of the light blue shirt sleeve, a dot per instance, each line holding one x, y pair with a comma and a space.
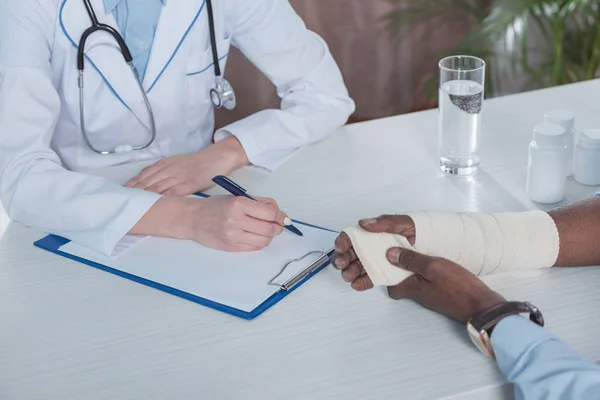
540, 365
137, 21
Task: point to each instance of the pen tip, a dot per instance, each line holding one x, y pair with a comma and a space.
295, 230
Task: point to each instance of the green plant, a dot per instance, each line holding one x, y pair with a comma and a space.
568, 32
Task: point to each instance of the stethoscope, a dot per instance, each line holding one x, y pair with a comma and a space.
222, 94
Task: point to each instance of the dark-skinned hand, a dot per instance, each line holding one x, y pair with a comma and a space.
437, 284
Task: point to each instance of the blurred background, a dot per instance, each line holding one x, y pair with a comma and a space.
388, 49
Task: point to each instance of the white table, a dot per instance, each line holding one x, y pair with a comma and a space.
68, 331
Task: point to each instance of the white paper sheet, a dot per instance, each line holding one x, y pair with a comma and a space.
238, 280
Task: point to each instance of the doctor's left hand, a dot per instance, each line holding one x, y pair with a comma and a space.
186, 174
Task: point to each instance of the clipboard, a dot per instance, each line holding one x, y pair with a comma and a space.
53, 244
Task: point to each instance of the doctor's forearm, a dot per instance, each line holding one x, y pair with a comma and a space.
168, 217
232, 150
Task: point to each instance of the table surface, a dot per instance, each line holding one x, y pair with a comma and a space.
68, 331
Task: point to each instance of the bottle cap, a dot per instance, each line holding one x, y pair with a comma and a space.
590, 137
549, 135
564, 118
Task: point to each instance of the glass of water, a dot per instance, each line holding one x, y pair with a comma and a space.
462, 81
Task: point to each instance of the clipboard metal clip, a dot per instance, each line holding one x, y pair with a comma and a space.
312, 267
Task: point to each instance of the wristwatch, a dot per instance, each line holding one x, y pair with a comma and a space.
480, 327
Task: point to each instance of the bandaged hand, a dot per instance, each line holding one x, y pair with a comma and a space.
481, 243
345, 257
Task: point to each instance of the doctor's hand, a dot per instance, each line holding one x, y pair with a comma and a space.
345, 259
235, 224
186, 174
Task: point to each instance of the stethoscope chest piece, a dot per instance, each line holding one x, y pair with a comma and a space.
223, 95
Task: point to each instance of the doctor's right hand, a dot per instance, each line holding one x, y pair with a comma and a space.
235, 224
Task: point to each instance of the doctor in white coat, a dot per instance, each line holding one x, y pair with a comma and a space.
42, 146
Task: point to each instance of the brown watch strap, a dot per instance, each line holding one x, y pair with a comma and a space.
488, 319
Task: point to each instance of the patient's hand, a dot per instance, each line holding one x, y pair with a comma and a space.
441, 286
345, 258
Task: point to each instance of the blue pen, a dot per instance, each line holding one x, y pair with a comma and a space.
237, 190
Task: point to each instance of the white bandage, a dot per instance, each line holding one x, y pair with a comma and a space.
371, 249
482, 243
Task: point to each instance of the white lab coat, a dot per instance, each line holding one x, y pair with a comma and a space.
41, 145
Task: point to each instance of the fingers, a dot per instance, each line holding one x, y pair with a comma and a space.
240, 230
243, 231
353, 272
343, 260
162, 178
171, 187
143, 181
407, 289
362, 283
398, 224
259, 227
260, 210
344, 254
410, 260
253, 240
145, 184
241, 248
282, 218
268, 201
180, 190
343, 243
164, 185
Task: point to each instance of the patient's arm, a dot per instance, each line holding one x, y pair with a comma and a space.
578, 228
579, 231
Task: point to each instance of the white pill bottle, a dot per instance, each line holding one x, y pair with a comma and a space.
587, 158
548, 159
566, 119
